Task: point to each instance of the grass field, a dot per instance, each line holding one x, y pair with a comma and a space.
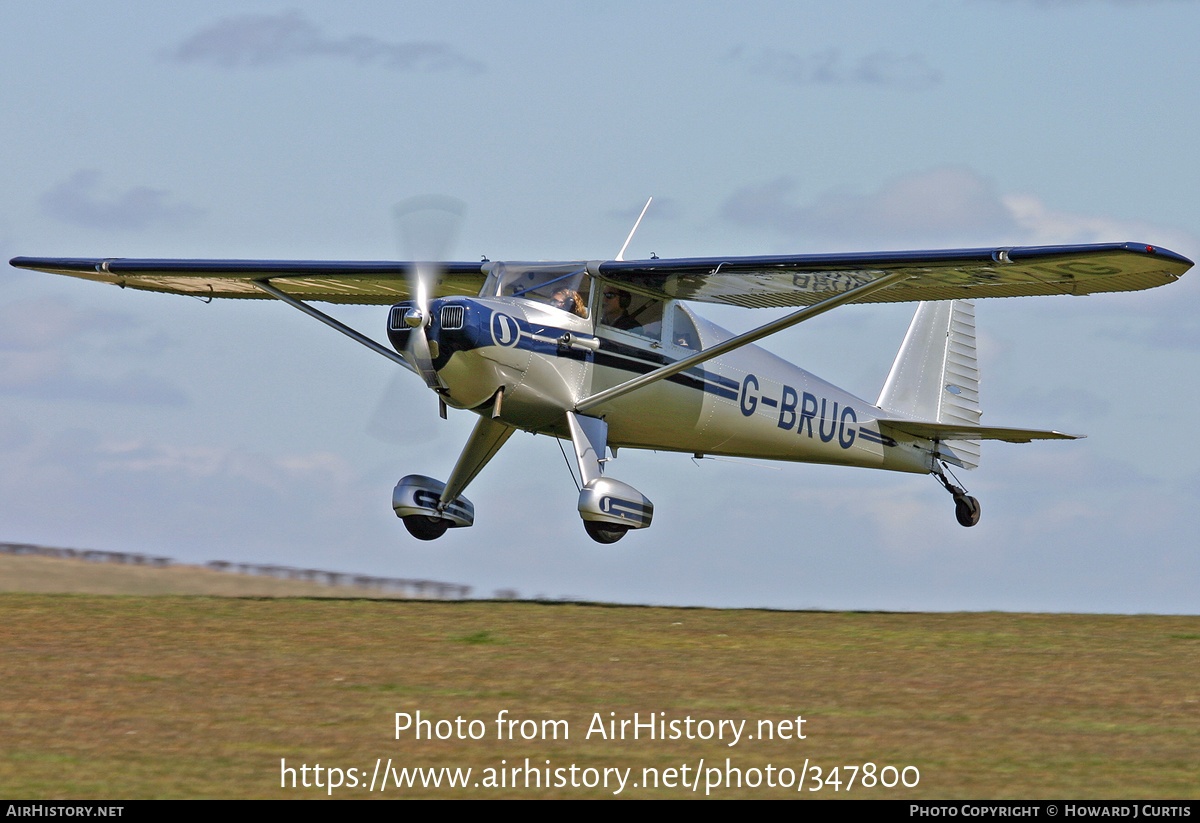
186, 696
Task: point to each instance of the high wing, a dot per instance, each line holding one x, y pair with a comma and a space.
761, 281
807, 279
381, 282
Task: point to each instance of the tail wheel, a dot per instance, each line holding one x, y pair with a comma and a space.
424, 527
604, 532
966, 510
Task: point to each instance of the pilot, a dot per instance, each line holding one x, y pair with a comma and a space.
616, 310
569, 300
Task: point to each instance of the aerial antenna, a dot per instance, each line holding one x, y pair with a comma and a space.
621, 253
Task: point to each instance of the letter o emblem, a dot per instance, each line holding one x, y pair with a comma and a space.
505, 331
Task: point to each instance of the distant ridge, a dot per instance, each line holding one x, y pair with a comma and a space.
31, 567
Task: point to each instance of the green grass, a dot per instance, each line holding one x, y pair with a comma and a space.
131, 697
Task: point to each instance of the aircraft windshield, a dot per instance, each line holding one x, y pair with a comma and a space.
562, 285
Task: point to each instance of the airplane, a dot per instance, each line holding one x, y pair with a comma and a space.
608, 354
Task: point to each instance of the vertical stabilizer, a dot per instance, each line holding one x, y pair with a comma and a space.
935, 376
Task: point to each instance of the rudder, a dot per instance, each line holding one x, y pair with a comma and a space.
935, 376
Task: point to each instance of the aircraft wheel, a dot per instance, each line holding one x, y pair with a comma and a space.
424, 527
604, 532
967, 510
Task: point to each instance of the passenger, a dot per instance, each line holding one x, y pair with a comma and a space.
569, 300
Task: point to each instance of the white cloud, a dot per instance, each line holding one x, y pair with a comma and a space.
38, 344
45, 377
1065, 3
279, 474
80, 201
942, 206
907, 518
663, 208
254, 40
947, 204
171, 493
1040, 224
43, 322
829, 67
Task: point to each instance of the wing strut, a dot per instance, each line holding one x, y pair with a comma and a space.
732, 343
332, 323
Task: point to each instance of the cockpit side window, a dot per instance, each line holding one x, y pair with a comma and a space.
634, 313
683, 329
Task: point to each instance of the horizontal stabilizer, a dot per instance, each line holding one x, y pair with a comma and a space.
958, 431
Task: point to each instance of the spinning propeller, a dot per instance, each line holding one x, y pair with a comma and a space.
426, 227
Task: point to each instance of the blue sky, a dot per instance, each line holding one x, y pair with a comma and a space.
244, 431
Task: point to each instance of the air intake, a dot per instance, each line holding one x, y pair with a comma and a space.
396, 319
452, 316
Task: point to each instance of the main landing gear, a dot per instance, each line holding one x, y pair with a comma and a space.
429, 507
417, 501
966, 508
608, 507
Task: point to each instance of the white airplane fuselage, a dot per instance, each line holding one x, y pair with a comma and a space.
747, 403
